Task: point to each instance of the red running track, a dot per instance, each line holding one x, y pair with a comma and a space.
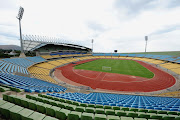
118, 82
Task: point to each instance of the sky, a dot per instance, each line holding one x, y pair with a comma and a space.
113, 24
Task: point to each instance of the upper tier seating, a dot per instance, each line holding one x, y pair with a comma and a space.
6, 67
29, 84
65, 54
19, 61
145, 102
46, 56
158, 57
172, 66
36, 59
149, 60
45, 65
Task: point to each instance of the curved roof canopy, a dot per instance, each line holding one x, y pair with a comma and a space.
31, 43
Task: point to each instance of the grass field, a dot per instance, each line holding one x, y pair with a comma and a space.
127, 67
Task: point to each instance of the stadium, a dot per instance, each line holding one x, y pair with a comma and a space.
68, 81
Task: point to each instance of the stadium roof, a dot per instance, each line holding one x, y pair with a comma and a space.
31, 43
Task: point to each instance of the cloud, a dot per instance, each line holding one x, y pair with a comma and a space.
8, 4
173, 3
165, 41
134, 7
96, 27
167, 29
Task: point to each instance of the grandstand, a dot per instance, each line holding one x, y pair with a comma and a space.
59, 98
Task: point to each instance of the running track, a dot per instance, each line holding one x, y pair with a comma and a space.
118, 82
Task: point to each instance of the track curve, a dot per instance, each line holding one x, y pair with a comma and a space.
118, 82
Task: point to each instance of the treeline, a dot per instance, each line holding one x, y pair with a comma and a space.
5, 53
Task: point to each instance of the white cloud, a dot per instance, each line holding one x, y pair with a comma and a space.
112, 25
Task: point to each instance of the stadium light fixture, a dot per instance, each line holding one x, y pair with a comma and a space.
146, 39
19, 17
92, 44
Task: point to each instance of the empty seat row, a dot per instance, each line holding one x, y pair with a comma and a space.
146, 102
63, 109
9, 109
36, 59
6, 67
158, 57
19, 61
29, 84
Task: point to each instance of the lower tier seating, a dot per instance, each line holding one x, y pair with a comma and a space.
29, 84
170, 94
63, 109
45, 107
145, 102
15, 108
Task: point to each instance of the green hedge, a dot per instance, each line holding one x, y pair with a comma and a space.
25, 113
99, 111
71, 107
62, 114
52, 110
116, 108
36, 116
4, 109
90, 110
99, 117
120, 113
109, 112
80, 109
87, 116
14, 112
107, 107
112, 117
40, 107
74, 115
125, 109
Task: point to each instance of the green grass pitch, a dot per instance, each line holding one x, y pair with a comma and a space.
127, 67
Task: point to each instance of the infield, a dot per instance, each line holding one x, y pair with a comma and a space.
127, 67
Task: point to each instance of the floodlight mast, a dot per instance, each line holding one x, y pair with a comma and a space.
146, 39
92, 45
19, 17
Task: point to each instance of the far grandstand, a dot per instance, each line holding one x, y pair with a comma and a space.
66, 81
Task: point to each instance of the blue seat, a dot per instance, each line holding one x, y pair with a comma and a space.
134, 106
174, 109
157, 108
126, 106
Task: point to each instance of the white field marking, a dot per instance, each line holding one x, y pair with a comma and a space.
124, 82
131, 81
103, 77
85, 76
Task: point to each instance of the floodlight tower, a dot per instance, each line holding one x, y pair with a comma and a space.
146, 39
19, 17
92, 45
